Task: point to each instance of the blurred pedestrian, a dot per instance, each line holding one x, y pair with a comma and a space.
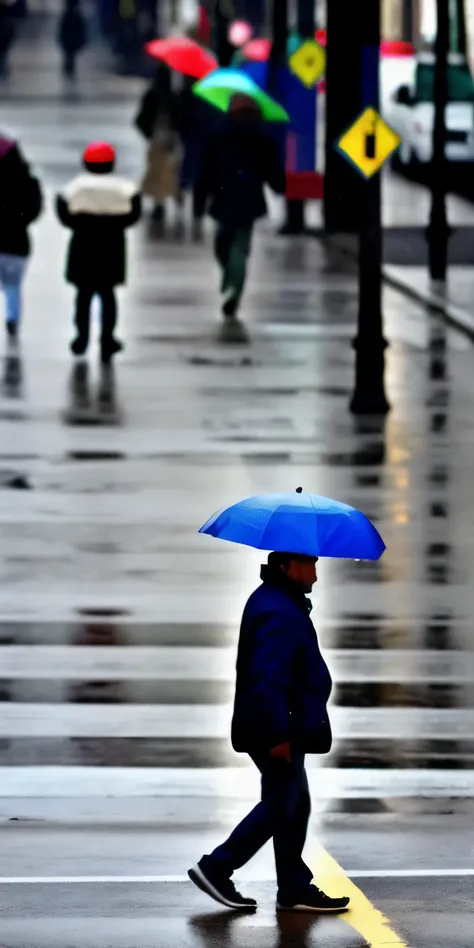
20, 205
7, 34
98, 206
196, 122
280, 714
237, 162
158, 121
72, 36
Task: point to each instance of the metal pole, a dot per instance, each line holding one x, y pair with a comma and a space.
342, 191
461, 27
369, 393
438, 230
223, 15
407, 20
279, 27
295, 209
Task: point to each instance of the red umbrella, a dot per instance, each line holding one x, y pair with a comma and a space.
183, 55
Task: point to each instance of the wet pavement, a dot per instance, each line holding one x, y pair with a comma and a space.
118, 621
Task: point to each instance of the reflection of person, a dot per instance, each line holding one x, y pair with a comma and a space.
98, 207
158, 121
20, 202
283, 686
71, 35
237, 162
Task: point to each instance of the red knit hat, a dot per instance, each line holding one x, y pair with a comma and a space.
99, 153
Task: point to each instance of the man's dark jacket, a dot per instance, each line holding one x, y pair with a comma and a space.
20, 199
283, 683
237, 162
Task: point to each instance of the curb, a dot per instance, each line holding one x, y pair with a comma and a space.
437, 304
453, 315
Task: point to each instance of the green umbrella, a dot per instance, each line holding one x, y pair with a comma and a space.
221, 84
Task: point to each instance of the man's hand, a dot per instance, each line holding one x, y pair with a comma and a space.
282, 752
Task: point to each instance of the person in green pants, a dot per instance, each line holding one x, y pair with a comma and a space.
237, 162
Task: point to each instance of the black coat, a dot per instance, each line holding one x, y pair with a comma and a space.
20, 200
98, 209
237, 162
283, 683
159, 103
72, 34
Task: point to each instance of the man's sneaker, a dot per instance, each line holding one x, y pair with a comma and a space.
79, 346
232, 330
12, 328
229, 302
313, 900
219, 888
110, 348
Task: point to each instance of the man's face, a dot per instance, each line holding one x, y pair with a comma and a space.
302, 570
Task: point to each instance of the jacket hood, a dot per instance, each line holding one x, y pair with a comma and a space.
275, 577
6, 145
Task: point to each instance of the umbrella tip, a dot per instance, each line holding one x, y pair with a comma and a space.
299, 490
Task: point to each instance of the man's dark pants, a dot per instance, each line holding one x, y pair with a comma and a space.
84, 299
283, 813
232, 248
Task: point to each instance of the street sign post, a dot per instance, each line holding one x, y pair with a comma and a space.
366, 144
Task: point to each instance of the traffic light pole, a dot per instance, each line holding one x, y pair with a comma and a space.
438, 230
369, 393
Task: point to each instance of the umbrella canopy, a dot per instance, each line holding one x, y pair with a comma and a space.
219, 87
257, 50
298, 523
183, 55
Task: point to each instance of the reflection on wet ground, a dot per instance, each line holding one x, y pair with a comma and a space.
89, 404
302, 931
12, 374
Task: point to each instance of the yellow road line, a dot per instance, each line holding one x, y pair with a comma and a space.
363, 917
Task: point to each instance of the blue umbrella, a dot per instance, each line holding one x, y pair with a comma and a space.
298, 523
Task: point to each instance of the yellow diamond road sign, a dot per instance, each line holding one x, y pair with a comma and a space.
308, 62
368, 143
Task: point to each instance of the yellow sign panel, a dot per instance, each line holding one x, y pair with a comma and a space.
368, 143
308, 62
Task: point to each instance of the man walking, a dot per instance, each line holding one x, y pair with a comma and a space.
237, 162
280, 714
